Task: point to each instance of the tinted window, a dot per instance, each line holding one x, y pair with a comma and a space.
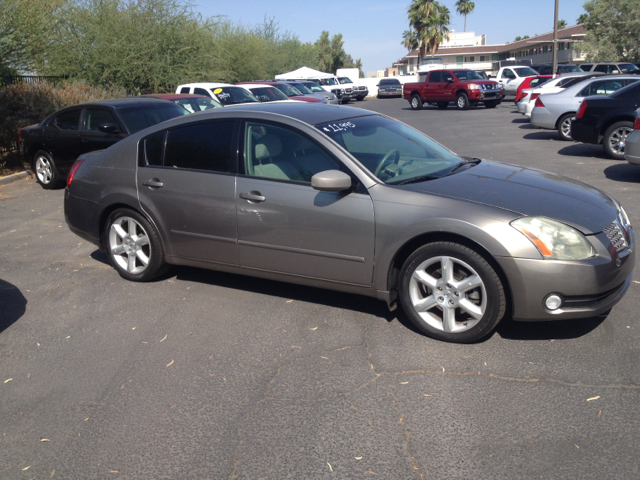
537, 82
302, 88
139, 117
435, 77
95, 118
390, 83
197, 104
564, 81
506, 73
601, 68
447, 77
153, 147
525, 71
606, 87
202, 146
586, 67
268, 94
287, 89
628, 68
200, 91
234, 95
283, 154
184, 90
68, 120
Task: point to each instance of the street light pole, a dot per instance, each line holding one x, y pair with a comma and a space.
555, 42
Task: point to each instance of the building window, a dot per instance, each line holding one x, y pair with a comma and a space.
531, 51
459, 60
482, 57
545, 49
494, 57
561, 46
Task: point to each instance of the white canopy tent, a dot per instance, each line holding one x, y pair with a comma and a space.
303, 72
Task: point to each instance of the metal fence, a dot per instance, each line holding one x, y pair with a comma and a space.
14, 79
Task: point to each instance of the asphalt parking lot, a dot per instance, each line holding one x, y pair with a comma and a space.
211, 375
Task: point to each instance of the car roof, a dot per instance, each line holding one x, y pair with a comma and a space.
260, 82
120, 102
174, 96
206, 85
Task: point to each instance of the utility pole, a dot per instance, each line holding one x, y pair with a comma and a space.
555, 42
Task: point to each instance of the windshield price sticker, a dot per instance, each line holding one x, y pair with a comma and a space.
223, 96
338, 127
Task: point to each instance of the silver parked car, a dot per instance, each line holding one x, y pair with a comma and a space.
555, 111
346, 199
632, 143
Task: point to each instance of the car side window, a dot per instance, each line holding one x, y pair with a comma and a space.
283, 154
201, 91
68, 120
606, 87
184, 90
435, 77
586, 67
200, 146
94, 118
613, 69
154, 149
447, 77
507, 73
601, 68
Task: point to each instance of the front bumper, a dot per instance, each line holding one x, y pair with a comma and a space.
632, 148
484, 95
588, 287
390, 92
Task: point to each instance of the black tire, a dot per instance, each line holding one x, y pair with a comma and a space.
46, 171
462, 101
564, 127
415, 102
610, 141
442, 105
152, 250
345, 101
491, 104
465, 264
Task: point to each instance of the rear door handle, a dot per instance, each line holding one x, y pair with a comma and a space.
253, 196
85, 139
153, 183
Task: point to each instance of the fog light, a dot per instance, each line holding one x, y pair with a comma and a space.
553, 302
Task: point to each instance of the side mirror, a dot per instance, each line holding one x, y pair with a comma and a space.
331, 181
108, 128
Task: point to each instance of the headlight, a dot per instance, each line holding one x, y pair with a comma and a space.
473, 86
626, 223
553, 239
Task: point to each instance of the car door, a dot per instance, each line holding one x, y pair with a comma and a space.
62, 137
447, 90
432, 86
186, 183
91, 138
285, 225
506, 77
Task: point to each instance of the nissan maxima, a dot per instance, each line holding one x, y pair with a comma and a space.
351, 200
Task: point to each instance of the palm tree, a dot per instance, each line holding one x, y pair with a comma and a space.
562, 24
465, 7
582, 18
438, 30
410, 40
428, 21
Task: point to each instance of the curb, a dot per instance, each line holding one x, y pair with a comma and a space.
14, 177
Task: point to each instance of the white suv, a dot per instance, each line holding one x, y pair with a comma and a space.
225, 93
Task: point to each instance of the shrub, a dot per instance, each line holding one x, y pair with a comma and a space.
29, 103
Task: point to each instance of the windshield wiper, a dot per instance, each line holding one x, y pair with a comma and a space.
473, 161
421, 178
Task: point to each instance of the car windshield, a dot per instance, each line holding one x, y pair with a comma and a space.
525, 71
393, 152
268, 94
483, 75
234, 95
627, 67
197, 104
300, 87
288, 90
314, 87
389, 83
139, 117
467, 75
344, 80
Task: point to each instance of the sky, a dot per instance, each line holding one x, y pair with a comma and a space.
372, 29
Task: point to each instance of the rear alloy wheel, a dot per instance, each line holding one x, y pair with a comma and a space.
462, 101
45, 169
615, 139
416, 102
133, 246
451, 293
442, 105
564, 126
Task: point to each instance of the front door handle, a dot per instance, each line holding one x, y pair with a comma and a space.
253, 196
153, 183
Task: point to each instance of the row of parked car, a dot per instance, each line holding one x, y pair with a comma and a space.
53, 145
588, 107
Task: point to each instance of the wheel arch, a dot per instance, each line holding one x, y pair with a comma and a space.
410, 246
562, 115
104, 215
607, 122
461, 90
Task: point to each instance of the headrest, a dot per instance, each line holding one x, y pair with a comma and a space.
267, 147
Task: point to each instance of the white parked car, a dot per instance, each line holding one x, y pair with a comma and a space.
555, 111
224, 93
511, 77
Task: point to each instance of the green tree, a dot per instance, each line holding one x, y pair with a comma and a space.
613, 30
410, 40
562, 24
582, 19
465, 7
429, 21
323, 51
518, 38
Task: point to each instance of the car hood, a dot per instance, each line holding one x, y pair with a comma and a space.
480, 82
527, 192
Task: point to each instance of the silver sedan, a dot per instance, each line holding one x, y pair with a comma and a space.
350, 200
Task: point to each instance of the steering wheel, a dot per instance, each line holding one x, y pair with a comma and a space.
386, 157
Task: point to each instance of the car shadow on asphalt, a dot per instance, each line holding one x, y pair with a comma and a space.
623, 172
584, 150
520, 120
101, 257
13, 304
544, 135
553, 330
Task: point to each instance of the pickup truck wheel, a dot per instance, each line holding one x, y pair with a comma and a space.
416, 102
615, 138
564, 127
46, 172
462, 101
442, 105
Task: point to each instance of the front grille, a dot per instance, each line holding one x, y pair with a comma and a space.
616, 236
362, 88
347, 90
582, 301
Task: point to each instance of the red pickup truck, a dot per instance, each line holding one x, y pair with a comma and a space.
464, 87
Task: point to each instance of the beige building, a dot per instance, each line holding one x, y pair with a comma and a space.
538, 49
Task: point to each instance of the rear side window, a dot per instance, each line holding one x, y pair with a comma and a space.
606, 87
184, 90
95, 118
435, 77
68, 120
601, 68
200, 146
586, 67
138, 117
200, 91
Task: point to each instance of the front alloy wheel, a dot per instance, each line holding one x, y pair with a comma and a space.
451, 293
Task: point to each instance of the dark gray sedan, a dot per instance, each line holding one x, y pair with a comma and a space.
350, 200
